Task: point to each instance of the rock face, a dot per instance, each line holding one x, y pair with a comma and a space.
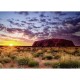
53, 43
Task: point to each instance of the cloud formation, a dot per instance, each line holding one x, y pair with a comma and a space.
40, 25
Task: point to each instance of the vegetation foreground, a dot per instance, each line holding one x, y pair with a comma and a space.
39, 57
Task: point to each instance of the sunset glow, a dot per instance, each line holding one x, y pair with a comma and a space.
11, 44
23, 28
15, 43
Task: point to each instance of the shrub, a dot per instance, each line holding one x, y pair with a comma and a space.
22, 60
38, 54
13, 57
55, 51
47, 63
57, 57
66, 64
6, 60
48, 51
70, 64
33, 63
48, 57
1, 65
56, 65
77, 53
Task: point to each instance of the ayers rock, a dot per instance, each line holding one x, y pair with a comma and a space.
53, 43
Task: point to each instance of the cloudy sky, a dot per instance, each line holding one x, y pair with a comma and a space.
26, 27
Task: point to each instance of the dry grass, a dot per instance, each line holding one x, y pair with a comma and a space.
39, 57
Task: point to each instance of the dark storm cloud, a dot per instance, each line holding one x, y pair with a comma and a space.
24, 31
11, 21
68, 19
35, 26
12, 30
71, 26
2, 27
29, 33
42, 25
24, 22
23, 13
49, 19
34, 19
42, 15
77, 13
14, 23
60, 13
67, 29
29, 23
30, 28
72, 21
46, 30
58, 19
17, 24
43, 20
39, 33
53, 23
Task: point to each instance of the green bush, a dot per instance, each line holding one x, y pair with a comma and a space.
27, 61
70, 64
66, 64
33, 63
48, 57
22, 60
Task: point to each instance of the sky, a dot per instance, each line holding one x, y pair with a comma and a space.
23, 28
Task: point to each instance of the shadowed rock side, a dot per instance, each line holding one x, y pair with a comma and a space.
53, 43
